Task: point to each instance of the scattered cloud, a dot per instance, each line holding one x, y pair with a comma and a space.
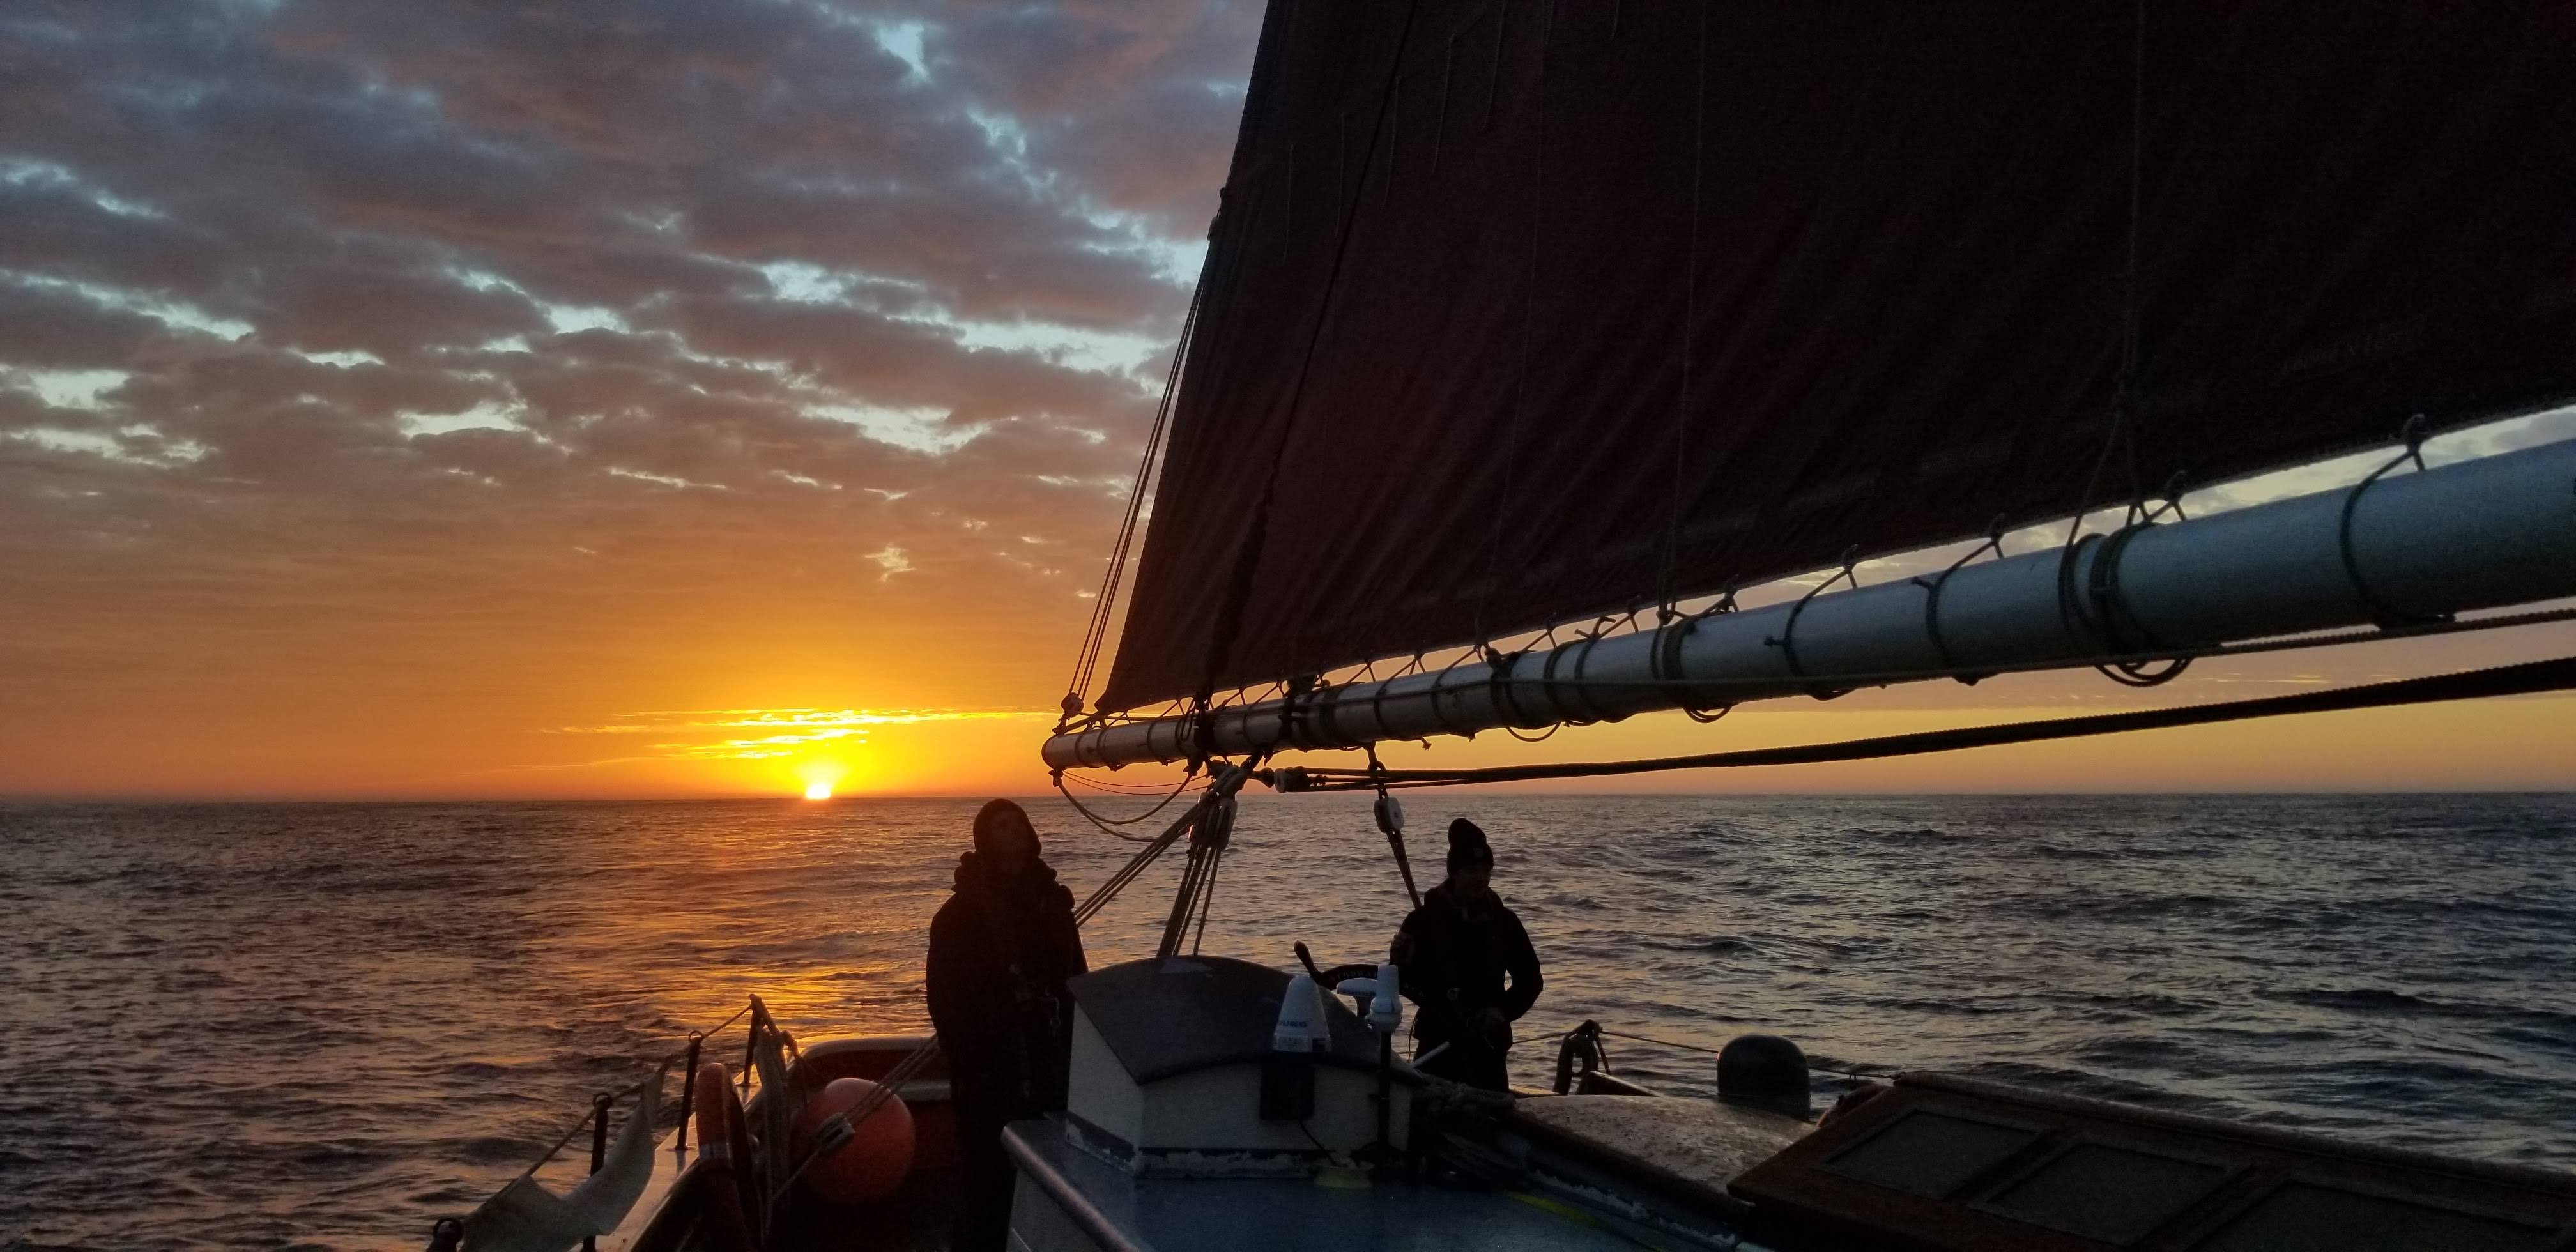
371, 342
771, 734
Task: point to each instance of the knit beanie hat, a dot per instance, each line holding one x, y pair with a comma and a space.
1467, 845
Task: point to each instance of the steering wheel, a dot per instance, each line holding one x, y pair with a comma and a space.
1333, 977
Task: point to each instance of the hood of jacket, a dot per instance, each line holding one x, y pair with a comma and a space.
973, 876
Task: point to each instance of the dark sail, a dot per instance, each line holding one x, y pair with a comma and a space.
1519, 312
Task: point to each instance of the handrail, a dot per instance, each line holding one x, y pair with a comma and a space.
447, 1233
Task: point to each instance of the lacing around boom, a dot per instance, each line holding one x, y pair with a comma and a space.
2528, 678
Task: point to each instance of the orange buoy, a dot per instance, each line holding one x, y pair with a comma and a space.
879, 1154
724, 1159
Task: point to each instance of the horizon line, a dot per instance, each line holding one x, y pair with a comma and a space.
793, 799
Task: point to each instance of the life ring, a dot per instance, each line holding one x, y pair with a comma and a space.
728, 1194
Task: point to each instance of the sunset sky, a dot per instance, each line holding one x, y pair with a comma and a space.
597, 400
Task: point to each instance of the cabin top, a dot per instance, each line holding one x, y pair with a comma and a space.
1168, 1016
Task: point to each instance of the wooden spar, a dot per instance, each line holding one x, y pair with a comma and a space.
2482, 534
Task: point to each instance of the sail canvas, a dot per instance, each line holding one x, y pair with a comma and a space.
1519, 312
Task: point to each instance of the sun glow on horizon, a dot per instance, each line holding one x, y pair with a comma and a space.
822, 778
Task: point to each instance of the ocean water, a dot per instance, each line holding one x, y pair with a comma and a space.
325, 1025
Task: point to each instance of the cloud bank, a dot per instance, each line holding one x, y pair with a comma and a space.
351, 336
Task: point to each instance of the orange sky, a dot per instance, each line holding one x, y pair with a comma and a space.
396, 401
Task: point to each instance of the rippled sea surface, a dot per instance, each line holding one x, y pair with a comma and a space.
325, 1025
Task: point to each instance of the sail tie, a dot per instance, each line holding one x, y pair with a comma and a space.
2379, 610
1787, 641
1664, 664
1932, 599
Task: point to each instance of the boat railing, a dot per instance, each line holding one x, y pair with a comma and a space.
447, 1234
1583, 1062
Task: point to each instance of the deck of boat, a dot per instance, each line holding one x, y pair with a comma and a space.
1071, 1199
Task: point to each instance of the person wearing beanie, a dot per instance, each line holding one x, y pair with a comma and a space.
1467, 962
1001, 949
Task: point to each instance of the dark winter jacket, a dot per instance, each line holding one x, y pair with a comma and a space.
1455, 962
1000, 952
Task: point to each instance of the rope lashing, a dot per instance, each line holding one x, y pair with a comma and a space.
1589, 713
1294, 703
2378, 609
1440, 708
1787, 642
1664, 663
1498, 676
2528, 678
1932, 598
2110, 608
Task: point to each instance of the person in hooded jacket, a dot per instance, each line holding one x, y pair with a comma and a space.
1457, 952
1001, 949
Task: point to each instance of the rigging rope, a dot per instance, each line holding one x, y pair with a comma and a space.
1095, 636
2528, 678
1390, 821
1117, 788
2121, 436
1224, 783
1109, 826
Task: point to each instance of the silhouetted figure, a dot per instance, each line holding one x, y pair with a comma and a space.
1456, 951
1001, 949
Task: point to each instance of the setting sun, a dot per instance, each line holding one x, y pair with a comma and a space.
818, 791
